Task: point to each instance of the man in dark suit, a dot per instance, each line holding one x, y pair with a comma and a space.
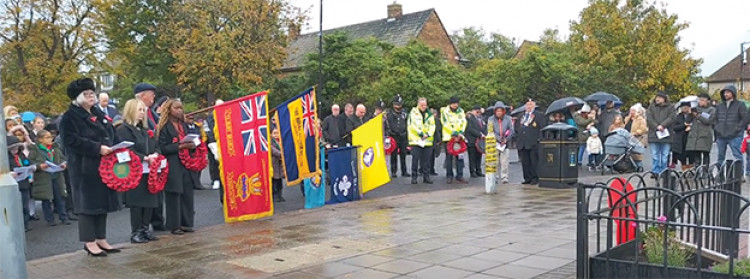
527, 140
108, 110
475, 129
146, 93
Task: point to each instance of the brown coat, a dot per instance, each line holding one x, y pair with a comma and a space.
639, 128
278, 167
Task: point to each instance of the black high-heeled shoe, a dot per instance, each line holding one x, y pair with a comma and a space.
100, 254
111, 251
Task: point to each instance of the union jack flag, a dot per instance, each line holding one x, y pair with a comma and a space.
308, 114
253, 126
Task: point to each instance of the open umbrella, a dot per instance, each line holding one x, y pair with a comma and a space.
28, 116
693, 100
565, 104
602, 97
520, 109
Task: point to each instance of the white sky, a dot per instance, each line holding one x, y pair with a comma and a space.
716, 29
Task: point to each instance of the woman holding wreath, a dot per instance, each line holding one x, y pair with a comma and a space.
182, 158
87, 135
140, 201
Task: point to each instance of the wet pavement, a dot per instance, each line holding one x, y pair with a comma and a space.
521, 232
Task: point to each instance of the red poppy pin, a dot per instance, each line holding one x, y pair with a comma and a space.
150, 134
108, 118
174, 140
93, 119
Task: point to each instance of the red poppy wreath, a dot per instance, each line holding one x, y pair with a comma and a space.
157, 180
390, 145
118, 176
456, 146
196, 162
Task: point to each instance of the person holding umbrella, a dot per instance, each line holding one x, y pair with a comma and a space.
527, 138
660, 116
682, 128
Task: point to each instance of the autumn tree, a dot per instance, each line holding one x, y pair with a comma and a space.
45, 45
220, 45
475, 45
137, 48
632, 49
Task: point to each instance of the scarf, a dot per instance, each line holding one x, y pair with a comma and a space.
50, 151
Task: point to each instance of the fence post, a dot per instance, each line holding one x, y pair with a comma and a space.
669, 181
729, 207
582, 236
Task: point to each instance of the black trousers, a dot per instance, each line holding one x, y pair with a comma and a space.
420, 160
157, 214
180, 208
139, 217
69, 199
278, 187
92, 227
213, 172
700, 157
449, 165
433, 154
475, 160
529, 163
402, 143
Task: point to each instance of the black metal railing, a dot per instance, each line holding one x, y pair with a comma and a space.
702, 207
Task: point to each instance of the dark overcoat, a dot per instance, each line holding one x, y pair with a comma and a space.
169, 146
83, 134
143, 145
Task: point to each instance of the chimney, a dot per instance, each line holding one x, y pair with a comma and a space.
294, 30
394, 10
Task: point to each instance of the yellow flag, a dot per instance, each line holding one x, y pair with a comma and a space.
372, 168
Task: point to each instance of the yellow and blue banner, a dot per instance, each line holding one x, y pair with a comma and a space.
372, 168
297, 122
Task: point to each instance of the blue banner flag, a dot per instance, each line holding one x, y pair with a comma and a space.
297, 120
342, 164
315, 192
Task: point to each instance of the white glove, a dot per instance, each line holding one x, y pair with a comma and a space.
214, 149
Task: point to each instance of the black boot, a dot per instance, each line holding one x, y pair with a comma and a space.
414, 179
138, 237
149, 234
427, 179
405, 173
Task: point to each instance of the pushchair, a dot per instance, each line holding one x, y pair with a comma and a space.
619, 147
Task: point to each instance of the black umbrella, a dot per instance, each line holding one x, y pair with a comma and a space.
564, 104
601, 97
520, 109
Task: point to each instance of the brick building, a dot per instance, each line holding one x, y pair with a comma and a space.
730, 74
397, 29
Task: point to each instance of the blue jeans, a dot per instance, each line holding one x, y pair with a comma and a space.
581, 150
734, 145
660, 156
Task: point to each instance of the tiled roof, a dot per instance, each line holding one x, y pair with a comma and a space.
398, 32
731, 71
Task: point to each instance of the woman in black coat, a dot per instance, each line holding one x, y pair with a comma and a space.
141, 202
178, 192
87, 135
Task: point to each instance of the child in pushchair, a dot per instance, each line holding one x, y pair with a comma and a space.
618, 148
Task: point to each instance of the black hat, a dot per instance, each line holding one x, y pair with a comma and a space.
685, 104
704, 95
662, 94
11, 141
143, 87
476, 107
528, 99
77, 86
397, 100
454, 100
379, 104
161, 101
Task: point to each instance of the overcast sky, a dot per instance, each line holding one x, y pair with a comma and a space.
716, 29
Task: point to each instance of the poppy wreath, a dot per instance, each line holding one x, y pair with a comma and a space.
157, 180
198, 161
121, 177
390, 145
456, 146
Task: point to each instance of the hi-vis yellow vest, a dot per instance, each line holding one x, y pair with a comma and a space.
418, 127
452, 122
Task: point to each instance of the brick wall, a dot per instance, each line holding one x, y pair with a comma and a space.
434, 35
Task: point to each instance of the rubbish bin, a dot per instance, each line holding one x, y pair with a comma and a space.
558, 156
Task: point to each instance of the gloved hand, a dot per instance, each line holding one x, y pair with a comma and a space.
454, 134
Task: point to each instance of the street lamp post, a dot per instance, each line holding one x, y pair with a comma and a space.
743, 62
12, 238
